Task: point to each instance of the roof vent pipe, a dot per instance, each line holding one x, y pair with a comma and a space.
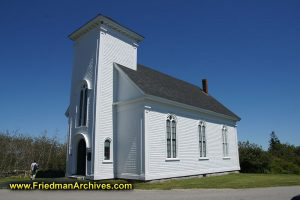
204, 86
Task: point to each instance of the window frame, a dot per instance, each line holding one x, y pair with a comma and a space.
173, 142
82, 110
110, 160
202, 140
225, 145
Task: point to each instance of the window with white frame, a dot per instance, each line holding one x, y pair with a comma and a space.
225, 141
202, 139
82, 117
107, 149
171, 137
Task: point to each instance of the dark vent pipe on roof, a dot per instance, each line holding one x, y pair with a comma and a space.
204, 86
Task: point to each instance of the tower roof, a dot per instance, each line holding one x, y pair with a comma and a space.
101, 19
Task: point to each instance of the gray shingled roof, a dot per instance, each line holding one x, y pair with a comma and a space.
155, 83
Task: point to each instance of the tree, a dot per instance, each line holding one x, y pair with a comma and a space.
274, 144
253, 159
17, 152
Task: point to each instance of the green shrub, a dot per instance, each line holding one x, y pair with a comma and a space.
281, 166
253, 159
50, 174
18, 151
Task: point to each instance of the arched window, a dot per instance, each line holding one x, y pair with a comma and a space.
171, 137
225, 142
83, 105
202, 139
107, 149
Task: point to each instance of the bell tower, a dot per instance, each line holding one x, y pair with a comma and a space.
98, 44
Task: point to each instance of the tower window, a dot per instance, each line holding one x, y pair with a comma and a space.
107, 149
82, 118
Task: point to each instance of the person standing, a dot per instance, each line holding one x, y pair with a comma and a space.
34, 168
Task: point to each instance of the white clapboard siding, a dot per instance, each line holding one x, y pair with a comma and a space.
129, 146
114, 47
188, 163
85, 61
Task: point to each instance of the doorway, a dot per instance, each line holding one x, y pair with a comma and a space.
81, 157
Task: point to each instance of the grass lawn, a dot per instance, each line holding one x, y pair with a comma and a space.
227, 181
17, 179
6, 180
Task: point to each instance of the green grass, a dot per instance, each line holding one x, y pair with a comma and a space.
17, 179
227, 181
6, 180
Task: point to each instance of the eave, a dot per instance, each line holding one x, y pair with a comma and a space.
100, 19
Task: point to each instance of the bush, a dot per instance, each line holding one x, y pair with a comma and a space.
280, 158
253, 159
18, 151
281, 166
50, 174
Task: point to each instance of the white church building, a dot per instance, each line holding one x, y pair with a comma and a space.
129, 121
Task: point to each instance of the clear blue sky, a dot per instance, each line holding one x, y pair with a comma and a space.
248, 50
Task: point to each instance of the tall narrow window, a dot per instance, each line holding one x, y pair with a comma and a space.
202, 139
168, 138
107, 149
80, 109
171, 137
225, 142
83, 106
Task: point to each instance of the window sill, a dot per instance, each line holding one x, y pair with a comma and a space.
203, 158
107, 161
81, 127
226, 158
172, 159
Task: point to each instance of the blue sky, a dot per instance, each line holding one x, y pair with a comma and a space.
248, 50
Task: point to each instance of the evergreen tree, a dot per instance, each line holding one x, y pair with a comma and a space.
274, 144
